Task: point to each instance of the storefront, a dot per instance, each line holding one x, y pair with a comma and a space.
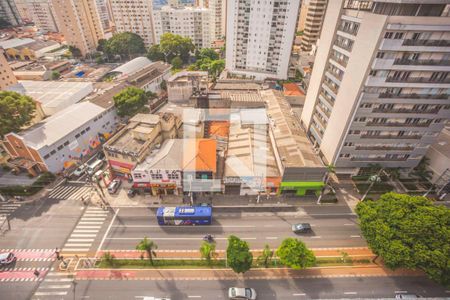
156, 189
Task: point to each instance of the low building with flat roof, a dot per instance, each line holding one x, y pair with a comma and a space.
181, 85
27, 49
62, 140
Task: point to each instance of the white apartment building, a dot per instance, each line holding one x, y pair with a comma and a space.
192, 22
218, 9
41, 13
380, 87
260, 36
134, 16
103, 13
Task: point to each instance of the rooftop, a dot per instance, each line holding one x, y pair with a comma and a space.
168, 157
56, 127
233, 84
37, 45
105, 91
185, 75
148, 73
242, 96
292, 89
13, 43
131, 67
293, 146
199, 155
53, 95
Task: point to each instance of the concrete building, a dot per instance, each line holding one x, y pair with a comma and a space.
79, 22
310, 22
260, 37
182, 85
191, 22
102, 8
439, 156
133, 143
23, 10
9, 12
27, 49
379, 90
7, 77
218, 10
63, 139
42, 15
134, 16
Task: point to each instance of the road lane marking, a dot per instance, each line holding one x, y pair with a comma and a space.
85, 230
89, 222
401, 292
66, 286
70, 250
82, 235
50, 293
88, 227
350, 293
84, 219
301, 294
194, 296
78, 245
107, 230
349, 224
80, 240
272, 237
355, 236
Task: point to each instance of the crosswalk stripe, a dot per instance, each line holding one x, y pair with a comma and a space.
77, 245
85, 230
88, 227
59, 279
94, 208
84, 219
63, 192
59, 274
66, 286
75, 249
77, 195
56, 191
89, 222
99, 214
50, 293
80, 240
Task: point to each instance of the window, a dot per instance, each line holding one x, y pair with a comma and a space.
60, 147
77, 135
66, 143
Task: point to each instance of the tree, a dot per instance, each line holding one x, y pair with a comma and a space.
16, 111
75, 52
294, 253
163, 85
172, 45
239, 256
266, 256
176, 62
207, 53
208, 251
125, 44
216, 67
409, 232
155, 54
149, 247
109, 259
331, 169
130, 101
55, 75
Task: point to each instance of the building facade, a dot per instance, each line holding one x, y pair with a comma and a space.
102, 8
7, 77
218, 10
79, 22
9, 12
191, 22
310, 22
260, 37
42, 15
379, 90
63, 139
134, 16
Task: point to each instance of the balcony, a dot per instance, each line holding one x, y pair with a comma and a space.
422, 62
417, 80
343, 45
352, 31
430, 43
391, 136
329, 100
404, 111
413, 96
331, 87
397, 124
384, 148
340, 61
336, 75
379, 158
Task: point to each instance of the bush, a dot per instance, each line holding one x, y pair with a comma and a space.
20, 190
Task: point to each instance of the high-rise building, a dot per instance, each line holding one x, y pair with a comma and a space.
380, 88
9, 12
218, 16
7, 77
41, 13
134, 16
192, 22
102, 8
313, 12
260, 36
22, 9
79, 22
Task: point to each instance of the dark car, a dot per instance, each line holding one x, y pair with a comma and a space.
131, 193
301, 228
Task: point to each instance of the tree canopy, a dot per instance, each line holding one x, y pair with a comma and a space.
294, 253
149, 247
176, 62
130, 101
16, 111
239, 256
125, 44
170, 46
408, 231
208, 60
207, 53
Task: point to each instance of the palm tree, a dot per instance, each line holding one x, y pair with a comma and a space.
266, 256
372, 179
208, 251
148, 246
331, 169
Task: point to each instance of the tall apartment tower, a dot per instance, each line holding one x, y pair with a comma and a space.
22, 9
102, 9
260, 36
9, 12
41, 13
218, 16
7, 77
313, 13
192, 22
79, 22
134, 16
380, 87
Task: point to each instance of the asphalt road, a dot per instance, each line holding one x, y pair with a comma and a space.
331, 227
329, 288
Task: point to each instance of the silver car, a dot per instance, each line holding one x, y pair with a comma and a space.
236, 293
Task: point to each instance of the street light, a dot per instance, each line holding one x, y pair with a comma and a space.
372, 179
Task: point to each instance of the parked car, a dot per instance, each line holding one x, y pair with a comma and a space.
236, 293
301, 228
114, 186
101, 155
80, 170
131, 193
7, 258
406, 296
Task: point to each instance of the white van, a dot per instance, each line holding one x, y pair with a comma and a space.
94, 167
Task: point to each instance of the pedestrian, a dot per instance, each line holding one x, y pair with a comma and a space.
58, 257
36, 273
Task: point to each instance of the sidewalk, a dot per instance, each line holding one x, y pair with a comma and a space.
228, 274
359, 253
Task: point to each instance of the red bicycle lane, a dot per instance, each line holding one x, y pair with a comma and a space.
24, 254
17, 275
